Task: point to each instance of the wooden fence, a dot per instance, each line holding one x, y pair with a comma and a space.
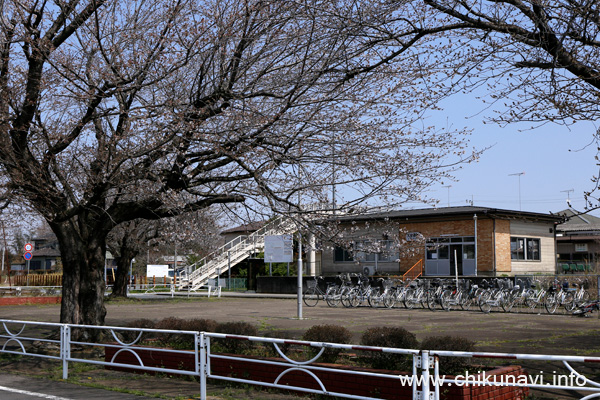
37, 280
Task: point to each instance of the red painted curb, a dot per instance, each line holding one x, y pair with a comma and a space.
17, 301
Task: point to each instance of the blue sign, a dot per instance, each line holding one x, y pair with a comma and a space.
27, 255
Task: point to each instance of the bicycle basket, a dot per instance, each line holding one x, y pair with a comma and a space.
311, 284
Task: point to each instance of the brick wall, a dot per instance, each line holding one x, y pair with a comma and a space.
334, 381
503, 262
485, 240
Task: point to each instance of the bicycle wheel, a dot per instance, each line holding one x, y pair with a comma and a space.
585, 297
431, 300
531, 298
354, 298
389, 298
333, 297
374, 297
551, 303
446, 300
345, 297
484, 302
310, 297
507, 302
409, 299
568, 302
465, 302
581, 298
579, 312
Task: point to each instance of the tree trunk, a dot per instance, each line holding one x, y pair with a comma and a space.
83, 255
123, 267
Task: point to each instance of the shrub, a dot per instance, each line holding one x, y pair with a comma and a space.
235, 346
387, 336
186, 341
268, 349
169, 339
327, 333
450, 365
200, 325
130, 336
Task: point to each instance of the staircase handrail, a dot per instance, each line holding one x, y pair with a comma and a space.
418, 267
236, 243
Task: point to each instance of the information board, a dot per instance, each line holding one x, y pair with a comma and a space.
158, 270
279, 249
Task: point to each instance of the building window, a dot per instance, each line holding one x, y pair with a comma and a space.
526, 249
469, 251
439, 248
342, 255
368, 251
581, 247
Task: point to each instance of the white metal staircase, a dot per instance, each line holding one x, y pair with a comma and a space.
233, 253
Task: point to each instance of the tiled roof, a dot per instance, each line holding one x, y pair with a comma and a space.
578, 222
250, 227
46, 252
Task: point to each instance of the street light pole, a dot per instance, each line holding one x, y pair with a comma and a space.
299, 275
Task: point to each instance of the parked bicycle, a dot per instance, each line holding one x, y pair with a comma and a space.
587, 308
361, 293
313, 293
580, 295
558, 296
335, 293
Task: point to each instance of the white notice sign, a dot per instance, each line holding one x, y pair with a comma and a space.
279, 249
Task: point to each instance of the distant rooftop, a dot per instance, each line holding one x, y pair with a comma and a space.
454, 211
246, 228
578, 222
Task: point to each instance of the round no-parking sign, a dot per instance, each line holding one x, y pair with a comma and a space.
27, 255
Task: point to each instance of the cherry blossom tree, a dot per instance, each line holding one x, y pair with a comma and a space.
113, 111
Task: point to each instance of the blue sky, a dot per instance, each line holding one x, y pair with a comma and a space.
555, 159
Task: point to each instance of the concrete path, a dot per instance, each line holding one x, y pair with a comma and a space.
18, 387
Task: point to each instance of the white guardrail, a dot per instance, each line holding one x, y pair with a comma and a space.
56, 342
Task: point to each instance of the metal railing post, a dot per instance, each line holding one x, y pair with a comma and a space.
202, 366
436, 378
415, 388
65, 349
425, 375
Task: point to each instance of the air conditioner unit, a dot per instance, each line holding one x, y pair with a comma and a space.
369, 270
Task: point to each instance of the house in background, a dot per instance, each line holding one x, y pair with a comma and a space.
45, 255
578, 243
242, 231
468, 241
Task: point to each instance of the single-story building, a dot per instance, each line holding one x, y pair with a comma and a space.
469, 240
578, 242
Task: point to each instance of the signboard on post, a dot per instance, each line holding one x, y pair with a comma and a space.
28, 247
157, 270
279, 249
